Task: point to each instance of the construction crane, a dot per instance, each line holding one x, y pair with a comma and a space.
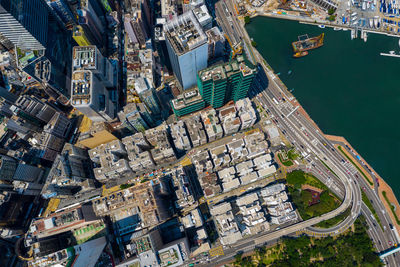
235, 49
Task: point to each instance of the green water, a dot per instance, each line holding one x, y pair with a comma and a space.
346, 87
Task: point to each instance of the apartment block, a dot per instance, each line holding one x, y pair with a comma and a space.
188, 102
196, 131
111, 161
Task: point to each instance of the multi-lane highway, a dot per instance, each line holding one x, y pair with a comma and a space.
346, 181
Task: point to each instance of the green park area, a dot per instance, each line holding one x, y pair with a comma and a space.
335, 220
310, 196
288, 157
354, 248
286, 163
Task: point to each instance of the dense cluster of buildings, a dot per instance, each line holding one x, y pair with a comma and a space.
116, 119
239, 162
253, 213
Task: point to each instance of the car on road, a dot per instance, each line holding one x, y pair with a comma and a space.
365, 189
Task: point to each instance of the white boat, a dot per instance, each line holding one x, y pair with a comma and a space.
371, 23
399, 41
368, 5
354, 14
321, 26
391, 54
353, 34
376, 22
364, 6
365, 36
338, 29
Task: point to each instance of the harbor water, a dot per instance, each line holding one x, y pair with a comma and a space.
346, 86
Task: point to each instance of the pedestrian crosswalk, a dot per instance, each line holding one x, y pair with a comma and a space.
350, 167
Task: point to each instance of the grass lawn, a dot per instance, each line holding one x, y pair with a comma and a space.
292, 154
367, 202
355, 165
286, 163
335, 220
302, 198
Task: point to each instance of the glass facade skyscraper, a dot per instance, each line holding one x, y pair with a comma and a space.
44, 44
24, 23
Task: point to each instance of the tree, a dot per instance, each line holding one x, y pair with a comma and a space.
331, 11
332, 18
238, 259
296, 178
247, 20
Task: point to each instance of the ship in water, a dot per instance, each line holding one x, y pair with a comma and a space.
301, 47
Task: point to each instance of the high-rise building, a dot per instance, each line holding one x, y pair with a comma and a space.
187, 102
216, 43
30, 108
147, 95
10, 98
92, 19
80, 37
90, 58
59, 126
203, 17
90, 96
8, 166
24, 23
92, 73
187, 48
43, 42
63, 11
136, 117
11, 170
229, 81
27, 173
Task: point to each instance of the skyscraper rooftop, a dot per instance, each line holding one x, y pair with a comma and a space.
84, 57
185, 33
81, 87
